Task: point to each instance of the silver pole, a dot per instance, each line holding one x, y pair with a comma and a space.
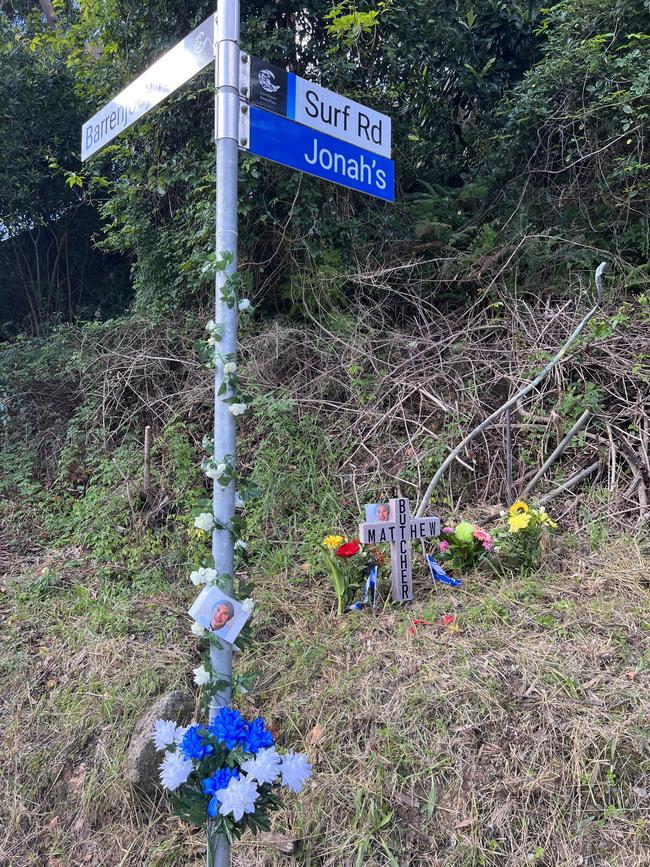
227, 142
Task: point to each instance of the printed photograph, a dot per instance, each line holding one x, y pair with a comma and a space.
216, 611
377, 513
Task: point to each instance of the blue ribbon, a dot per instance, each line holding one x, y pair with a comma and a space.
439, 574
371, 587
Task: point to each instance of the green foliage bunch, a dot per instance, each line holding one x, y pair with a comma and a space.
573, 127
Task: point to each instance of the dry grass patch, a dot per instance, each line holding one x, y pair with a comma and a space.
520, 739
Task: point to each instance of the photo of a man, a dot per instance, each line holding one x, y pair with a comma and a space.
223, 612
383, 512
377, 512
219, 614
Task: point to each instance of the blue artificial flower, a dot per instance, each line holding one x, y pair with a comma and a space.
193, 746
211, 785
257, 736
228, 727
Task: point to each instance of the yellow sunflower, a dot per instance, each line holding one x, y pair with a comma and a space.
518, 522
517, 508
333, 542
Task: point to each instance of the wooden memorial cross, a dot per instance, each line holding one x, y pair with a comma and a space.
400, 530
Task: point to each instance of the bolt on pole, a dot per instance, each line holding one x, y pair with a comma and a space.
227, 139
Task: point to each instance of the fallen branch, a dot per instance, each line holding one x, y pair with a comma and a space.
516, 397
570, 484
557, 452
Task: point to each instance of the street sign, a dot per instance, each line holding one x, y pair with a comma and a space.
162, 78
274, 89
315, 153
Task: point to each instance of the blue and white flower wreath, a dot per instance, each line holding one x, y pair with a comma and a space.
227, 772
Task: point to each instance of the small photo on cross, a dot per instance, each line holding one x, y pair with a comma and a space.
377, 512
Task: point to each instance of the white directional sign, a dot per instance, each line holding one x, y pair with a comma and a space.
274, 89
162, 78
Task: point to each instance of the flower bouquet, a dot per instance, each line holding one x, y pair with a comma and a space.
520, 541
226, 773
348, 563
464, 546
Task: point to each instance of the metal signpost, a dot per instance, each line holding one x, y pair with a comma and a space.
290, 121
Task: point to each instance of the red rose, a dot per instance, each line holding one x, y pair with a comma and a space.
348, 549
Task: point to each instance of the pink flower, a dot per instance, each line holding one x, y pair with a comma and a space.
443, 546
484, 537
447, 530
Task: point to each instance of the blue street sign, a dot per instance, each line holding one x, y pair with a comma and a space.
291, 144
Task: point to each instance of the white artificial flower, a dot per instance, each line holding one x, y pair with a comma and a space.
244, 304
204, 521
201, 675
210, 326
237, 798
174, 770
241, 545
180, 734
248, 605
295, 770
237, 408
229, 367
165, 732
198, 630
215, 471
265, 767
203, 576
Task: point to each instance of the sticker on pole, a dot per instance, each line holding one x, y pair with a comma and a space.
291, 144
165, 76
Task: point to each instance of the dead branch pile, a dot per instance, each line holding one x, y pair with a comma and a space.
395, 385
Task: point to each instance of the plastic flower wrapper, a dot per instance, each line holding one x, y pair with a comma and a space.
227, 772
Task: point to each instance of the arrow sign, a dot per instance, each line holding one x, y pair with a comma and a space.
315, 153
274, 89
165, 76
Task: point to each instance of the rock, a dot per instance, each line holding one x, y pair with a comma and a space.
142, 758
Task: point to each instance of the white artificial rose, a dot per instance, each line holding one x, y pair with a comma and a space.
237, 408
244, 304
203, 576
199, 630
205, 522
229, 367
201, 675
248, 605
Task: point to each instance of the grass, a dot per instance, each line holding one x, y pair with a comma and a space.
521, 739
